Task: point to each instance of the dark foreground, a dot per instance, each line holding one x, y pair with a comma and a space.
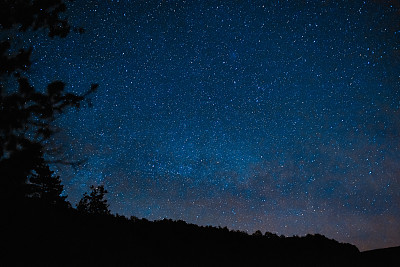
35, 235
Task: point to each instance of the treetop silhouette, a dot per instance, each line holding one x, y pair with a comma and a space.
47, 187
95, 202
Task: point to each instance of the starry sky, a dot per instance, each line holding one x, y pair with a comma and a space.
282, 116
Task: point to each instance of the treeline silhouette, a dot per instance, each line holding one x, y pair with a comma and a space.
41, 234
37, 233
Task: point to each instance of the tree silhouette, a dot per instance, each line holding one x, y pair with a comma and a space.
44, 185
270, 235
258, 233
94, 203
26, 115
25, 124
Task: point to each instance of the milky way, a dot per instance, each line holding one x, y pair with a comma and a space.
281, 116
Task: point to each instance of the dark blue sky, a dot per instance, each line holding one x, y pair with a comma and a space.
281, 116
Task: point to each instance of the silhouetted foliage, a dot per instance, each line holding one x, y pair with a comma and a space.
44, 185
25, 124
271, 235
95, 202
26, 115
72, 238
11, 63
35, 15
257, 233
28, 15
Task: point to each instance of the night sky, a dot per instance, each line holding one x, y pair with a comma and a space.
282, 116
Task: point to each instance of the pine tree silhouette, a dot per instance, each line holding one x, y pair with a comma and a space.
46, 186
94, 203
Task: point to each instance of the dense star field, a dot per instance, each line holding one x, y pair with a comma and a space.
282, 116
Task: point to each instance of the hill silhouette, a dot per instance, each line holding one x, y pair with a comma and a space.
38, 234
381, 257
